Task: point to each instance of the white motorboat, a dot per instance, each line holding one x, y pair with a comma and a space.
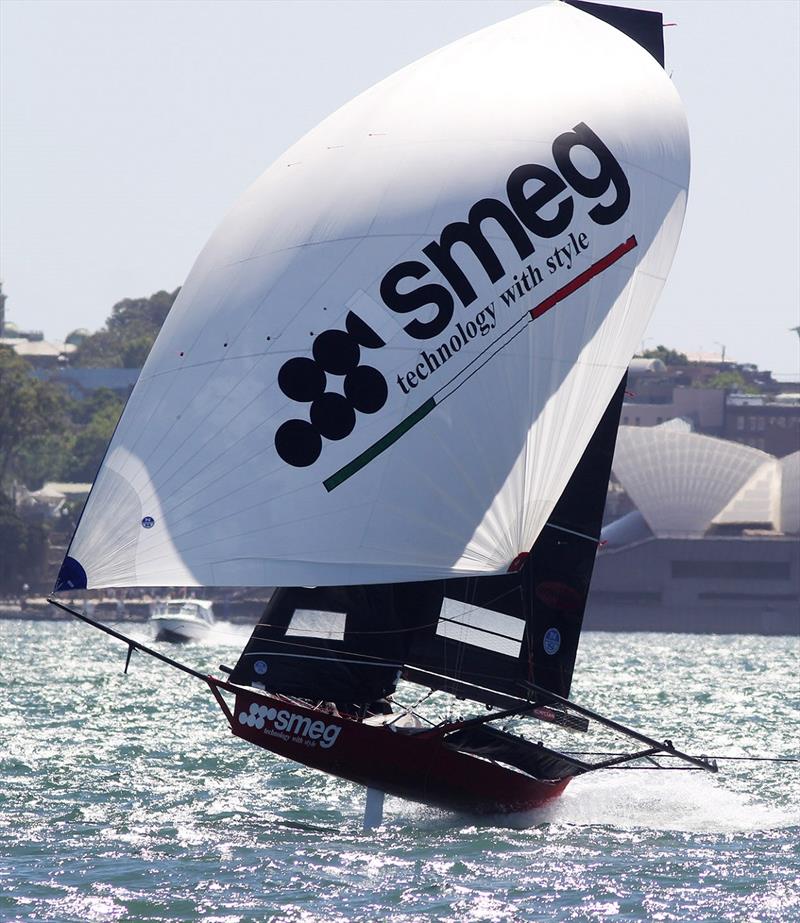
182, 619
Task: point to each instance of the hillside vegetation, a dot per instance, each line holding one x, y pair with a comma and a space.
47, 435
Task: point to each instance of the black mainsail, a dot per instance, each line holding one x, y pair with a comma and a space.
486, 638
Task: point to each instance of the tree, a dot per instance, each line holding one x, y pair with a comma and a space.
23, 549
28, 408
128, 335
44, 457
667, 356
732, 381
97, 401
91, 442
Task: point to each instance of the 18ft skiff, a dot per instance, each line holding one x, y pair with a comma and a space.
391, 386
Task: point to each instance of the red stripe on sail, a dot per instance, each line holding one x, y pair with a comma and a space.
586, 276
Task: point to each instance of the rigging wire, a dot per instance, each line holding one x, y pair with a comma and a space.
766, 759
469, 608
335, 654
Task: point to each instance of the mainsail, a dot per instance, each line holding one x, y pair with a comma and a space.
390, 358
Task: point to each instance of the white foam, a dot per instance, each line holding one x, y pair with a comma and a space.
690, 802
228, 634
684, 801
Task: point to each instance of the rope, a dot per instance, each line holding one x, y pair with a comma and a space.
765, 759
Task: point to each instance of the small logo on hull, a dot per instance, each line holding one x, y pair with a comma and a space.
290, 726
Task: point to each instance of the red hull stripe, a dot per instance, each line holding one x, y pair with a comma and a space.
586, 276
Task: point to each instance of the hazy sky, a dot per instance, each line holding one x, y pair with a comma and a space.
129, 128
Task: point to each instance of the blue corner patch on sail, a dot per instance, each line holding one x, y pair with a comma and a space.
72, 576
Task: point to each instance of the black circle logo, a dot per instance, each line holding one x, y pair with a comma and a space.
336, 353
298, 443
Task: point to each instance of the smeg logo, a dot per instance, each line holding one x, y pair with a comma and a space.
334, 354
540, 203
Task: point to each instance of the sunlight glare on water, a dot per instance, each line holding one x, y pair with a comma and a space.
126, 798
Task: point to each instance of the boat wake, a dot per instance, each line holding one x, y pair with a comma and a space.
694, 803
689, 802
228, 633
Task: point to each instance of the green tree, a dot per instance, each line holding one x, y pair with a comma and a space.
731, 381
23, 549
28, 408
667, 356
91, 441
44, 457
95, 401
128, 334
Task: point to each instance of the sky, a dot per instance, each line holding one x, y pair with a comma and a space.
128, 129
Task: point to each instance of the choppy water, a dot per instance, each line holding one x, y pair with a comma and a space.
126, 798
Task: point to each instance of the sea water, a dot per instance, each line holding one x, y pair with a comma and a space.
127, 798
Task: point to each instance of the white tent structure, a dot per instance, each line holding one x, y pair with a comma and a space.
685, 484
712, 543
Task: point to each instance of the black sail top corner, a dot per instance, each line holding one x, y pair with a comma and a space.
644, 26
486, 638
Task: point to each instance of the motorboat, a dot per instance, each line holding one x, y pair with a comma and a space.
182, 619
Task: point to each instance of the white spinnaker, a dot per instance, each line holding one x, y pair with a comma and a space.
193, 492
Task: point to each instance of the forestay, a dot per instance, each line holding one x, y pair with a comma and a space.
389, 358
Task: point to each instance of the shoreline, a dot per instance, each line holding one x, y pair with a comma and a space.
37, 609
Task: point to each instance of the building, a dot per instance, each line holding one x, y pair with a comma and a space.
40, 353
81, 381
704, 408
768, 420
50, 500
711, 541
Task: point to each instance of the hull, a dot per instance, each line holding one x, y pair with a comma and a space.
179, 629
417, 765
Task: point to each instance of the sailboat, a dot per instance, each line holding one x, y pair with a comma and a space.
391, 387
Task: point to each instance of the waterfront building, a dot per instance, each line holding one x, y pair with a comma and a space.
711, 541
